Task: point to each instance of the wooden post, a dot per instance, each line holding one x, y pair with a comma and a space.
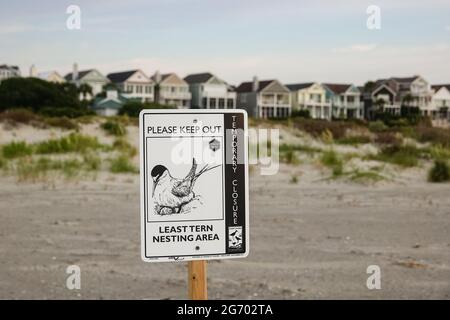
197, 280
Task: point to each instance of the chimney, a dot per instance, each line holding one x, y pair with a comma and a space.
157, 76
75, 72
255, 85
33, 71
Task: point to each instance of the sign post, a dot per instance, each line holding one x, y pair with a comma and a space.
197, 280
194, 188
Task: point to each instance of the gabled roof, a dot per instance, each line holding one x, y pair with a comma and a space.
299, 86
5, 66
337, 88
118, 77
248, 86
405, 79
437, 87
165, 76
81, 74
198, 78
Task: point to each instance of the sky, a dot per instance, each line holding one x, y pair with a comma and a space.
289, 40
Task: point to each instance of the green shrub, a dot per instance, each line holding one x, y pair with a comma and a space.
377, 126
114, 128
133, 108
122, 164
388, 138
62, 122
365, 176
294, 180
402, 155
440, 172
124, 147
16, 149
438, 136
354, 140
332, 160
316, 127
19, 115
74, 142
91, 161
301, 114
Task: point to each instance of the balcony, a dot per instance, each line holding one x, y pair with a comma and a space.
175, 95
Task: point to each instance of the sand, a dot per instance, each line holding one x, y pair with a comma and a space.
309, 240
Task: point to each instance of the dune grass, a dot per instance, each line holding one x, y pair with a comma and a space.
74, 142
333, 161
28, 169
114, 128
440, 172
122, 164
124, 147
401, 155
16, 150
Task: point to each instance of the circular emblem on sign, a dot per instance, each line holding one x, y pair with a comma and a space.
214, 145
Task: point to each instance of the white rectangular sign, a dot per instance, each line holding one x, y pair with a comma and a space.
194, 184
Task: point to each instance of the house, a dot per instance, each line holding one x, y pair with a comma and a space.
91, 77
7, 71
50, 76
110, 104
310, 96
210, 92
264, 99
391, 94
172, 90
441, 101
134, 84
380, 96
345, 100
413, 91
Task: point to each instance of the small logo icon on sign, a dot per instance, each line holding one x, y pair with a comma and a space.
235, 237
214, 145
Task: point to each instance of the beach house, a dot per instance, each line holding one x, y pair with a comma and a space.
264, 99
171, 90
134, 84
210, 92
310, 96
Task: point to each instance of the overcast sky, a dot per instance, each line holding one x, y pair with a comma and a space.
293, 41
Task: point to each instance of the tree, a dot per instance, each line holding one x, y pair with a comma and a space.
36, 94
132, 108
84, 89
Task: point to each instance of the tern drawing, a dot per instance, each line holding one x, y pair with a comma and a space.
171, 195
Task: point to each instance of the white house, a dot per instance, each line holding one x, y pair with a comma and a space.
171, 90
264, 99
7, 71
134, 84
441, 101
311, 96
91, 77
210, 92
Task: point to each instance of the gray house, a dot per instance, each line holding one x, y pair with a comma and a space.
210, 92
264, 99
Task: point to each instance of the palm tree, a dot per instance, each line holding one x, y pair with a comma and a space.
84, 89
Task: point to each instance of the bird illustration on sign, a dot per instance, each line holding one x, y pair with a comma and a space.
176, 195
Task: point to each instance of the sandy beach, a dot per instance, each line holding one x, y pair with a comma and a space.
309, 240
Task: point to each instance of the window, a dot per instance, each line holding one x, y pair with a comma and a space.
230, 104
243, 98
221, 103
129, 88
212, 103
